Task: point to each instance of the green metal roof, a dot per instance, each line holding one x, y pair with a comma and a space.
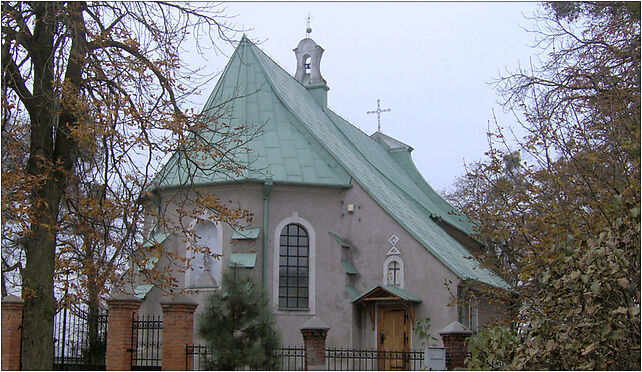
247, 260
156, 238
149, 258
348, 268
305, 143
152, 259
395, 291
284, 150
352, 292
142, 290
246, 233
342, 242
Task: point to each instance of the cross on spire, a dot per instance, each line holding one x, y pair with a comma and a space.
378, 111
308, 29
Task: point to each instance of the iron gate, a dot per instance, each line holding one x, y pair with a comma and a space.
79, 342
146, 343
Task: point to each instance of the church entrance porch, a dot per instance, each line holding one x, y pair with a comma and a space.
391, 310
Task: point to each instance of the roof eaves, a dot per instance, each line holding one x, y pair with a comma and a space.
395, 291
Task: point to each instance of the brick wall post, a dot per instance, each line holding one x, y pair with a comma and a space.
121, 308
11, 332
178, 332
455, 337
314, 332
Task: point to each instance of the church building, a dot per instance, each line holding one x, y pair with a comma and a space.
344, 227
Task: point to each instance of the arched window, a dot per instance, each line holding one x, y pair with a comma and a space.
393, 271
294, 264
205, 269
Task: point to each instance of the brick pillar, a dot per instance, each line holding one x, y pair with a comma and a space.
314, 332
178, 332
11, 332
455, 337
120, 308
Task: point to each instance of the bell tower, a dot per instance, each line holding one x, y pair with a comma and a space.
308, 59
308, 70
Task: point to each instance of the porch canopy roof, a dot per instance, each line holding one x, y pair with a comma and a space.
386, 293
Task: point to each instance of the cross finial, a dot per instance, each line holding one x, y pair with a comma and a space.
378, 111
308, 29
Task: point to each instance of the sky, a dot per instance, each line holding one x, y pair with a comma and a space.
429, 62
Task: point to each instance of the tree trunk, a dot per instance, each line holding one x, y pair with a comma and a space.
40, 304
50, 158
96, 351
37, 276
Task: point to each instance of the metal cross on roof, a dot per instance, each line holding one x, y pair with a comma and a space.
378, 111
308, 29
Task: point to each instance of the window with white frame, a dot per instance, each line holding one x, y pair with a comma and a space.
393, 271
294, 267
205, 268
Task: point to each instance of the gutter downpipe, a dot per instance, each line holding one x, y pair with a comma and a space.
267, 188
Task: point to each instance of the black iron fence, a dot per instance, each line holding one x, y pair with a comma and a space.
196, 357
146, 343
337, 359
80, 339
293, 359
290, 358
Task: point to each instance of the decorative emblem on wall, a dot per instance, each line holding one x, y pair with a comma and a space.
394, 239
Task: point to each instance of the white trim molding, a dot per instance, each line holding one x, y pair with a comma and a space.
387, 262
294, 219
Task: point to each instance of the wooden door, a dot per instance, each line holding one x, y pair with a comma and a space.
393, 337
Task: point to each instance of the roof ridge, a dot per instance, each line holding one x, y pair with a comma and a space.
219, 83
256, 48
303, 127
172, 162
370, 161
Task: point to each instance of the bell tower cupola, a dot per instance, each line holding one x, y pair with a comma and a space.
308, 71
308, 59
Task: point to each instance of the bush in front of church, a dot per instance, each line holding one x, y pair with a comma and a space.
238, 326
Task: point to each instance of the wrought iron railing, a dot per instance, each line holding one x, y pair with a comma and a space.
79, 342
290, 358
196, 357
337, 359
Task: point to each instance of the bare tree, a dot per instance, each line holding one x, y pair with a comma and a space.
559, 210
93, 100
